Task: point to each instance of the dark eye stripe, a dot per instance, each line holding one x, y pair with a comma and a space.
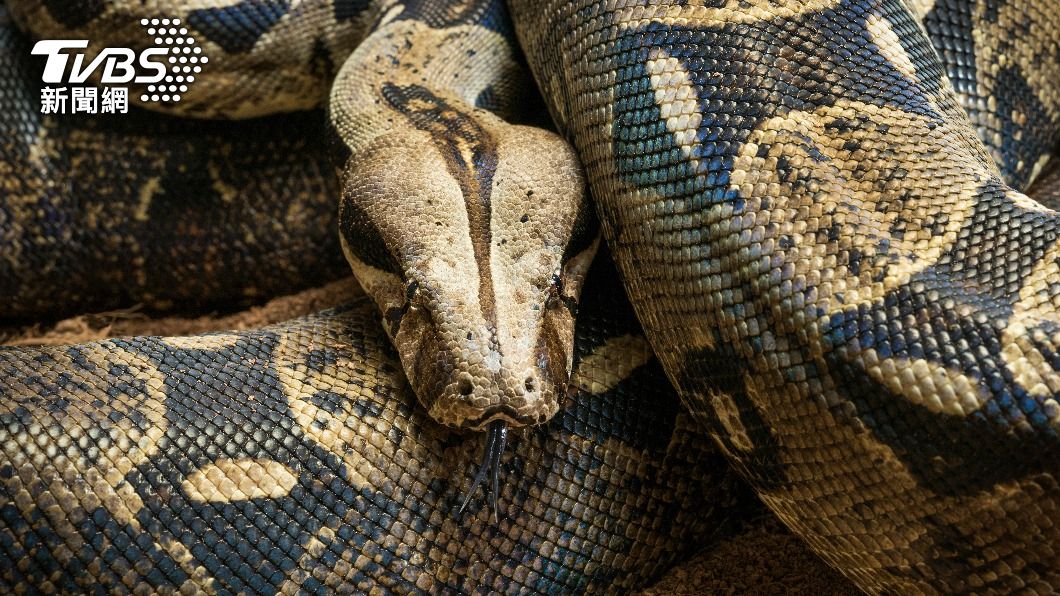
586, 229
364, 239
470, 154
393, 318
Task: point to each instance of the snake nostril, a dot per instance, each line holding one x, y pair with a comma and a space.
529, 383
465, 387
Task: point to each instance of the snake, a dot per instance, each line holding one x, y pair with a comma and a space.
293, 457
814, 207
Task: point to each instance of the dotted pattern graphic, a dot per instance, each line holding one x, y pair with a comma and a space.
185, 59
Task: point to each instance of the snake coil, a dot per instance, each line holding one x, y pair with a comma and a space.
813, 205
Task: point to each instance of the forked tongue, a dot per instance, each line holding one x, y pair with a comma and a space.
491, 462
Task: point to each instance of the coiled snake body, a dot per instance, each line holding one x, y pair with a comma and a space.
833, 269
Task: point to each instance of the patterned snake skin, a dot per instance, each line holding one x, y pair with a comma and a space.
295, 456
829, 265
826, 252
255, 200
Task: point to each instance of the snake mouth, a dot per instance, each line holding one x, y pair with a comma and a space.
496, 440
501, 413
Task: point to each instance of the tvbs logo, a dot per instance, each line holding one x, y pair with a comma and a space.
164, 70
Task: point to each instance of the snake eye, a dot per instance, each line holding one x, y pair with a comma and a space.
411, 290
394, 315
556, 298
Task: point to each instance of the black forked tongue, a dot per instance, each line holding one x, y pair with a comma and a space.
491, 462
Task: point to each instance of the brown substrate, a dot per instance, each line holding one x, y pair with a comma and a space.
764, 558
85, 328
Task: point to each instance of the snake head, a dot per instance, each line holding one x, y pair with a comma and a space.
473, 236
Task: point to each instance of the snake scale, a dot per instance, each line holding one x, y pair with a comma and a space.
813, 206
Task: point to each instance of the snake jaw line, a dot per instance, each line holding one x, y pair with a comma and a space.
496, 440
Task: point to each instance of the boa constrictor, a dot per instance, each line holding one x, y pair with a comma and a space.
291, 457
832, 268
